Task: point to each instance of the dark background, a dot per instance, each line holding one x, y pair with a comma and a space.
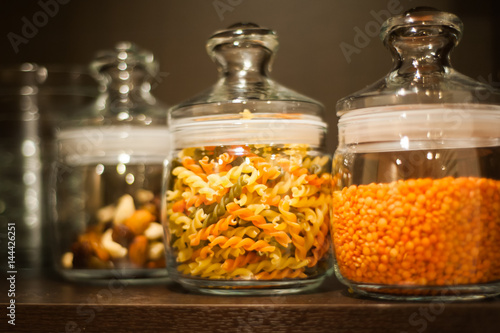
310, 59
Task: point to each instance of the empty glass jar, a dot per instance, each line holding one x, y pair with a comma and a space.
248, 191
107, 178
66, 89
21, 206
416, 211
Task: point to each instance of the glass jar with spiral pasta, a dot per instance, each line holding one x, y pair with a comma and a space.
108, 175
248, 187
416, 208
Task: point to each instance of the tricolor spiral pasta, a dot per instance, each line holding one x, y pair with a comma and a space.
249, 213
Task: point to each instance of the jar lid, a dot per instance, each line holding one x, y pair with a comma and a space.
124, 75
420, 41
126, 123
21, 79
124, 56
245, 100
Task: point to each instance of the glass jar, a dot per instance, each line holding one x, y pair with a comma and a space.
248, 187
67, 88
416, 210
107, 178
21, 206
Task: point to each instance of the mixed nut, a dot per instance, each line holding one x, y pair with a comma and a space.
123, 237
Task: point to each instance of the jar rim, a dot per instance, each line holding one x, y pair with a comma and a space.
421, 16
217, 131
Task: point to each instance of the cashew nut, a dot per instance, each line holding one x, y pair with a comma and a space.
154, 231
156, 251
115, 250
143, 196
106, 214
124, 209
67, 260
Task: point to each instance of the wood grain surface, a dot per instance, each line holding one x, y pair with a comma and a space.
46, 303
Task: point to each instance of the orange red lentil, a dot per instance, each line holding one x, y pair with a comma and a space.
422, 232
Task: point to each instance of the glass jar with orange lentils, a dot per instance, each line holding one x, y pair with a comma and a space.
416, 207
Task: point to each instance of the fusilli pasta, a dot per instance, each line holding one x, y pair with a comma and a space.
250, 213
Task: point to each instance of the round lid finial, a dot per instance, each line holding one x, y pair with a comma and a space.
421, 17
244, 34
125, 55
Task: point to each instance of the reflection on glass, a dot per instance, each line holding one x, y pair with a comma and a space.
20, 162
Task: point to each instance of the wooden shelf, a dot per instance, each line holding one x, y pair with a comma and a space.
46, 303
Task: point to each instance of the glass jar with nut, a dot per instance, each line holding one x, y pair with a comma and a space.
107, 178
